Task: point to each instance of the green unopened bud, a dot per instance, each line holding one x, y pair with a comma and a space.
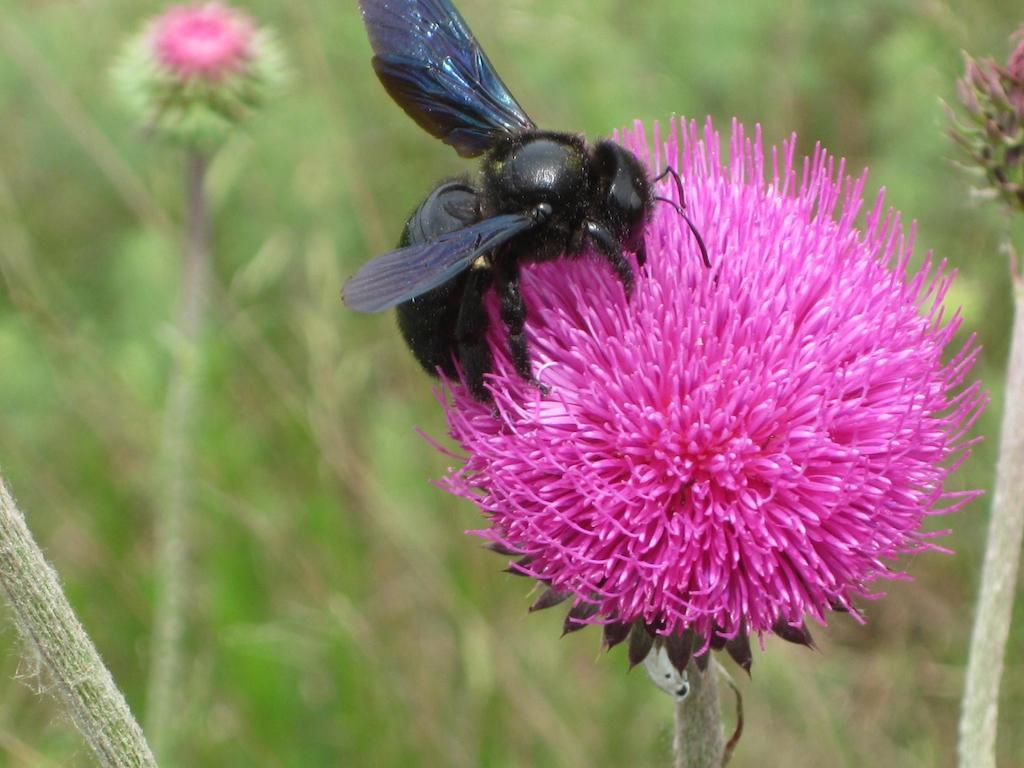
993, 132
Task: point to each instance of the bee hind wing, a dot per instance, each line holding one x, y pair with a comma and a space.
403, 274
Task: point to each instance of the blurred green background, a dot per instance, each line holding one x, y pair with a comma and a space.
337, 616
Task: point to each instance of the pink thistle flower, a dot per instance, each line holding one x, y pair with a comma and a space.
734, 449
208, 40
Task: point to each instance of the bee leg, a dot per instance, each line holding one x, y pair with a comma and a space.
641, 254
513, 314
471, 332
609, 247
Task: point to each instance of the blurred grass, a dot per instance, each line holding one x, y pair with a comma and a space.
337, 618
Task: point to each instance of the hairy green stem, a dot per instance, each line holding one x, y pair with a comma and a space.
980, 709
163, 700
699, 741
49, 627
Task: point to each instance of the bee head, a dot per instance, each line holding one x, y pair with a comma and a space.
622, 193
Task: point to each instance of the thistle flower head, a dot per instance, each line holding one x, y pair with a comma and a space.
196, 71
733, 449
993, 133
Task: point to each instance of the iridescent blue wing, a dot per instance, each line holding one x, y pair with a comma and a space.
404, 274
434, 68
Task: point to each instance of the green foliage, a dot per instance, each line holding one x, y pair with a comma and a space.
337, 614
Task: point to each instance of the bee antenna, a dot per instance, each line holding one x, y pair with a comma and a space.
693, 229
670, 171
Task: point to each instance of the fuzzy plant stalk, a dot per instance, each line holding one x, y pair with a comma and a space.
991, 132
190, 77
163, 698
980, 710
50, 630
699, 739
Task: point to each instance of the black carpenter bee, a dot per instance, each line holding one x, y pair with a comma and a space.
541, 195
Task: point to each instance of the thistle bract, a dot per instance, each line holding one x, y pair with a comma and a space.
734, 449
993, 133
196, 71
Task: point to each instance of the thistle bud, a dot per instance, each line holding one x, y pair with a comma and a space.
993, 133
196, 71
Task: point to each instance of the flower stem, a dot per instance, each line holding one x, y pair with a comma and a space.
699, 741
49, 627
980, 709
163, 704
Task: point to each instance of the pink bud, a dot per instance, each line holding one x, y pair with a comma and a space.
205, 41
